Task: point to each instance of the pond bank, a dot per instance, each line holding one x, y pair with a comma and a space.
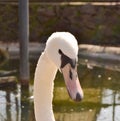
104, 53
101, 56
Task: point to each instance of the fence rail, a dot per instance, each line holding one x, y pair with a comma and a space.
63, 0
15, 2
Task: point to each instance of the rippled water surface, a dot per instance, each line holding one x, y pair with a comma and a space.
101, 97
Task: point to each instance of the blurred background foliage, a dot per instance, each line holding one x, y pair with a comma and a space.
91, 24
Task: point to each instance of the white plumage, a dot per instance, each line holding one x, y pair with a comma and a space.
48, 64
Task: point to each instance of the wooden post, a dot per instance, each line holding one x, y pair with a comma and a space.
24, 41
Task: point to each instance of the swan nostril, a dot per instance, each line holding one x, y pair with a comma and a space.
70, 74
78, 97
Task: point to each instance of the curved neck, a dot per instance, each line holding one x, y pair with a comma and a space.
43, 89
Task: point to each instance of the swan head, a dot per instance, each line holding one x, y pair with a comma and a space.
62, 50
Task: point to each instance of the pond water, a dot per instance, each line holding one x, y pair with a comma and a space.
101, 97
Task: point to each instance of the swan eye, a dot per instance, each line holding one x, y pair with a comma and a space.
60, 51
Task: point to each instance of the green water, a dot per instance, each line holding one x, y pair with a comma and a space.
101, 97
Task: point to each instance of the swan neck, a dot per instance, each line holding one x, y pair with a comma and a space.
43, 88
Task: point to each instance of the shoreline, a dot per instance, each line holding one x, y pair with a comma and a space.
92, 55
84, 49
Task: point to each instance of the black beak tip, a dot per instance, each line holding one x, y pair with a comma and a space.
78, 97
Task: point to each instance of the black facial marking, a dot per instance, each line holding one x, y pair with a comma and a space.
65, 60
73, 63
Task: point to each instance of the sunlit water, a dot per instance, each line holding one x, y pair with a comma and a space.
101, 97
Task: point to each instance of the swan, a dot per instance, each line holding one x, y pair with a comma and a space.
60, 53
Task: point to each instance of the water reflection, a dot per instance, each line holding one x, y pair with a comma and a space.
9, 105
111, 112
101, 101
15, 105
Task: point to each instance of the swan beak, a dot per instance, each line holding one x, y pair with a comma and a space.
72, 82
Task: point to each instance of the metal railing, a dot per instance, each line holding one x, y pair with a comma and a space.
15, 2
